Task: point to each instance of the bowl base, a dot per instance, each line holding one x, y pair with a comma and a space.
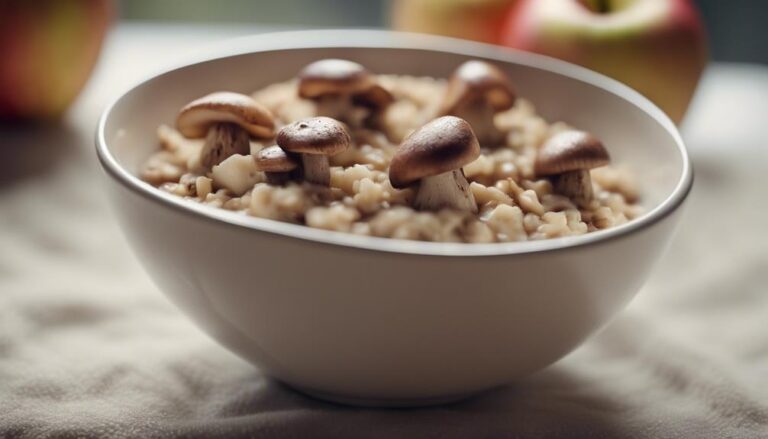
383, 402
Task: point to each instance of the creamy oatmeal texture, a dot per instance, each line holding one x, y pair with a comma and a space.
224, 154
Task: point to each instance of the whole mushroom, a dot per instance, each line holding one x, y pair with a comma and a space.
315, 139
276, 164
477, 91
432, 158
344, 90
567, 158
227, 120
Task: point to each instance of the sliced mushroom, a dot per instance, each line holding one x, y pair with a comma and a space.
344, 90
432, 157
567, 158
315, 139
227, 121
476, 92
276, 164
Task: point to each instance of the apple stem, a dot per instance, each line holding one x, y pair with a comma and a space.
599, 6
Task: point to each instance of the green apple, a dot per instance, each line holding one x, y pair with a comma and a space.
479, 20
48, 49
657, 47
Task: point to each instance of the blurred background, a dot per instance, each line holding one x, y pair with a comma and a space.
51, 46
736, 27
79, 318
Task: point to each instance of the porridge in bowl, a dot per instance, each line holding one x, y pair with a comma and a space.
340, 148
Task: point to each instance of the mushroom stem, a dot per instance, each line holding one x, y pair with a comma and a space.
449, 189
333, 106
342, 108
316, 169
480, 116
277, 178
576, 185
223, 140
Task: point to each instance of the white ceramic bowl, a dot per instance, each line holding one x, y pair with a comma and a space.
389, 322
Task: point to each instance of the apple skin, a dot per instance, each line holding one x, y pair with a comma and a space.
479, 20
657, 47
48, 49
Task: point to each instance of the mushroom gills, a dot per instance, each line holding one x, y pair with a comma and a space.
576, 185
316, 169
223, 141
446, 190
480, 116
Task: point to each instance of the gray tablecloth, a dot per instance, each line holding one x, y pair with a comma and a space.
90, 348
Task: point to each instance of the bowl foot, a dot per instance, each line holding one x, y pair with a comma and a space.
382, 402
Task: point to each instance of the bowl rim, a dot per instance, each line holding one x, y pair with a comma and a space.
357, 38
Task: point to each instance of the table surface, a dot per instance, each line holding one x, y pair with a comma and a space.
89, 346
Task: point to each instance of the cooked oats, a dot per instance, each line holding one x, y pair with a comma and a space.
513, 203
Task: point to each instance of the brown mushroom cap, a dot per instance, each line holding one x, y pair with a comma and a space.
376, 97
315, 135
477, 80
196, 117
333, 77
568, 151
275, 159
444, 144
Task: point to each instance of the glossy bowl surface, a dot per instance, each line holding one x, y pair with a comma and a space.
377, 321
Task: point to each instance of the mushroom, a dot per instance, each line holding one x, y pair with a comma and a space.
344, 90
276, 164
567, 158
433, 156
315, 139
227, 121
476, 92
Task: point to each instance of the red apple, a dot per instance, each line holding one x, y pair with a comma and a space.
658, 47
479, 20
47, 51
